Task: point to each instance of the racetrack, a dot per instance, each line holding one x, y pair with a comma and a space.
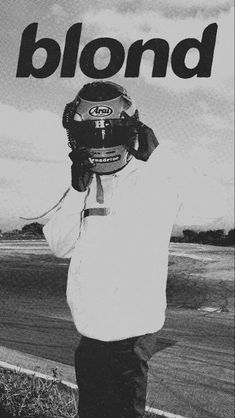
191, 373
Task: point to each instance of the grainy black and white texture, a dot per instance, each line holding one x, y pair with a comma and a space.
191, 117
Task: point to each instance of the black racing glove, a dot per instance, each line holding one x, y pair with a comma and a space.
81, 174
146, 138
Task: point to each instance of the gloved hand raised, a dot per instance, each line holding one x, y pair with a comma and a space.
146, 138
81, 175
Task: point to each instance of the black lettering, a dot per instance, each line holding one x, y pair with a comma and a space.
160, 47
71, 50
116, 59
28, 46
206, 51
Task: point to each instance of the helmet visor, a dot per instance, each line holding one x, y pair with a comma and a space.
100, 133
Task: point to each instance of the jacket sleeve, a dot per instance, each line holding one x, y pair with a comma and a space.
62, 230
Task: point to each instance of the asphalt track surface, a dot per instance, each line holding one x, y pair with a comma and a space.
191, 372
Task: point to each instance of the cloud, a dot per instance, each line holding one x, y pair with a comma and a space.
148, 24
36, 135
205, 199
189, 8
30, 188
58, 11
169, 8
191, 116
215, 122
34, 167
216, 167
57, 17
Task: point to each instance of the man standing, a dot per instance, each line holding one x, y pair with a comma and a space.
115, 224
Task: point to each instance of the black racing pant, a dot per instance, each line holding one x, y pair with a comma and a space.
112, 376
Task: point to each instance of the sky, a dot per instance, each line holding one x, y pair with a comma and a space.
192, 118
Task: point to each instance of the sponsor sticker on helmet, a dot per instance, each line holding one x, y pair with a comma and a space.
106, 159
99, 123
100, 111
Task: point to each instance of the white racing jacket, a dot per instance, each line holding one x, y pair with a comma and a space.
119, 249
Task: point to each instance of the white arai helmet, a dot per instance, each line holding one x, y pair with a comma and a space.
99, 119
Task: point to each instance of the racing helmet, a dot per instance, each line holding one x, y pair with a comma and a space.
101, 119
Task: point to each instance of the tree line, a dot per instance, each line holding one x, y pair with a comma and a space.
210, 237
32, 230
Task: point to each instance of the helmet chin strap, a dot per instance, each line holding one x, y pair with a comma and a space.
99, 190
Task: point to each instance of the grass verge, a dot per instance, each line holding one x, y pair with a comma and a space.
28, 396
23, 396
